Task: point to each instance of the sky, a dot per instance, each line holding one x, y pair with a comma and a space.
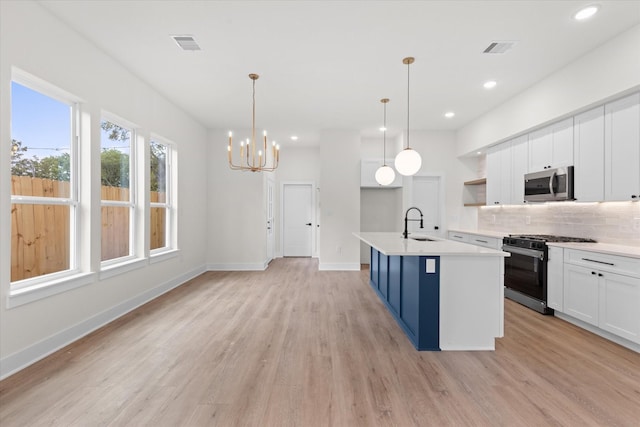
43, 124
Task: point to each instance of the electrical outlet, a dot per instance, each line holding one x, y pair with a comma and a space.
339, 250
493, 219
636, 224
527, 220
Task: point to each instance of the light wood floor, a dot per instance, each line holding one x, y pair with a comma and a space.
294, 346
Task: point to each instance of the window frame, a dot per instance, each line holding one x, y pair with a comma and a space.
170, 226
132, 203
23, 286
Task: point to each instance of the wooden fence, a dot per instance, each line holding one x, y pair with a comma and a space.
40, 233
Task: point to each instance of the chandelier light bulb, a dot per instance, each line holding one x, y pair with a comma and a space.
408, 162
385, 175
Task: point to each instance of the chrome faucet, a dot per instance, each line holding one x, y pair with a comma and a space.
406, 220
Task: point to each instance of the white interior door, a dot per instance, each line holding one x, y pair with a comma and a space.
297, 220
425, 195
270, 225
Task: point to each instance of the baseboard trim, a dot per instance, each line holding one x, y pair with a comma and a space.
17, 361
600, 332
339, 266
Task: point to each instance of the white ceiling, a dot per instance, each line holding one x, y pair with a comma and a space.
327, 64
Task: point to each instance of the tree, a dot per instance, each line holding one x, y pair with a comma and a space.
157, 163
115, 168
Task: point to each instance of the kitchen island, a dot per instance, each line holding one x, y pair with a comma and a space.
445, 295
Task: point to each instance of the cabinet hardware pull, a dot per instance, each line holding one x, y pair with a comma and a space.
593, 272
599, 262
600, 275
481, 241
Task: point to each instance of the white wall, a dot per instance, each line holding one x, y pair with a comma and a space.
236, 212
340, 200
602, 74
36, 42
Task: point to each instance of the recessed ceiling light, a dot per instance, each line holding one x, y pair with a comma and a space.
294, 138
586, 13
479, 152
490, 84
449, 114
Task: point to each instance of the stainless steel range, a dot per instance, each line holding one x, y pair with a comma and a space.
525, 271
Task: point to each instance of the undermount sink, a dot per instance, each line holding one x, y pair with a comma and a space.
421, 238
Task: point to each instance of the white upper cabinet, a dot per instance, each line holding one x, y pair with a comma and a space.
520, 166
589, 177
368, 168
499, 179
622, 149
552, 146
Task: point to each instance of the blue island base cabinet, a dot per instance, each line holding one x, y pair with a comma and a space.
410, 288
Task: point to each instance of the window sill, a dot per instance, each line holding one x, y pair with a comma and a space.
122, 267
163, 255
42, 290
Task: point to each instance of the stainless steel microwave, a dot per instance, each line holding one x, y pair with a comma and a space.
549, 185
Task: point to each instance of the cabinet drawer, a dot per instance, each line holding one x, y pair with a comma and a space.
605, 262
460, 237
487, 242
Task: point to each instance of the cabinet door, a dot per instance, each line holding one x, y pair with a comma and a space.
589, 156
620, 305
494, 175
374, 269
581, 293
552, 146
499, 174
520, 166
562, 143
622, 149
540, 149
555, 282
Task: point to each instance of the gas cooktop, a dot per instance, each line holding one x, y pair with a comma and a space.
552, 238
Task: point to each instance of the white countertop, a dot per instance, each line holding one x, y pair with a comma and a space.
395, 244
603, 248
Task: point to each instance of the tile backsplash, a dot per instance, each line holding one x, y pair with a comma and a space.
617, 223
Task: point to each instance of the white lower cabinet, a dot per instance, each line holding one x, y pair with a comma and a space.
620, 305
595, 292
581, 293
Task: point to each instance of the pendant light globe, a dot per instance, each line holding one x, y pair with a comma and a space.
385, 175
408, 162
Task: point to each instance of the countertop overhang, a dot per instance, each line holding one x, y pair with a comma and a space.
393, 244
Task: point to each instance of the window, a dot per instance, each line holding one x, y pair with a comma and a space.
161, 218
44, 196
117, 191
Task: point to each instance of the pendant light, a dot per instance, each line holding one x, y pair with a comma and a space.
408, 161
385, 174
252, 158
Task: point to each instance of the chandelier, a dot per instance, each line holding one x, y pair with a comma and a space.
385, 174
252, 158
408, 161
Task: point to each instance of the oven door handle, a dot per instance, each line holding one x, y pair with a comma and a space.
524, 251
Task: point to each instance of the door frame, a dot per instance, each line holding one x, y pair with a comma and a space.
312, 185
271, 245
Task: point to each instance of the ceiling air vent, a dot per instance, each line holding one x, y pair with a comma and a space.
186, 42
499, 47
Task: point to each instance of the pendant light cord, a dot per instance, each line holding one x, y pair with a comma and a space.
408, 65
384, 137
